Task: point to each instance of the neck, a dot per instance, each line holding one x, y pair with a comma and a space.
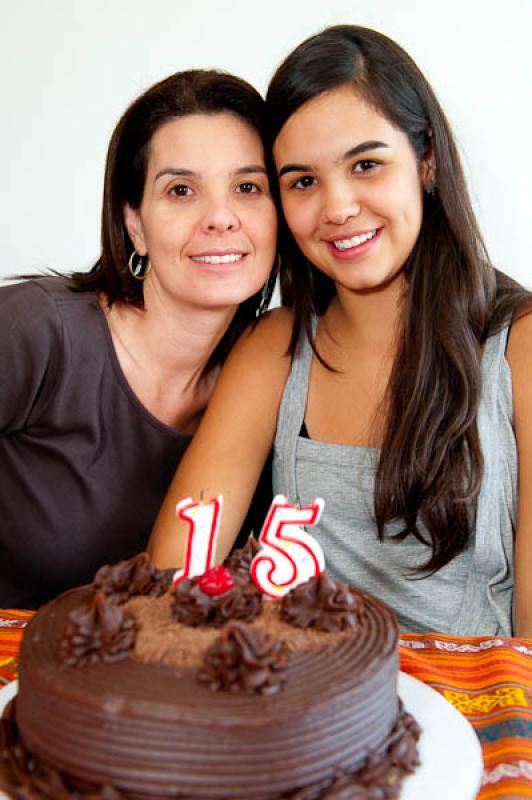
172, 338
367, 318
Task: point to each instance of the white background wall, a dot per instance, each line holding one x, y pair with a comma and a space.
69, 68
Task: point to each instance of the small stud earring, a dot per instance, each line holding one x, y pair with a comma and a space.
430, 182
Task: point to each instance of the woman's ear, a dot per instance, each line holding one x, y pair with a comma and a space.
134, 226
428, 167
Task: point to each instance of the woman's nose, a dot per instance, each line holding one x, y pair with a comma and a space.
219, 217
340, 202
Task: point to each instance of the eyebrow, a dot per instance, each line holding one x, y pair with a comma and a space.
250, 169
363, 147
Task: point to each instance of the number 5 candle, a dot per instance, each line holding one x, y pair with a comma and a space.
289, 555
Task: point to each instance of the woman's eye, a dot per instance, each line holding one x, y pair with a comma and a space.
247, 188
181, 190
304, 183
365, 166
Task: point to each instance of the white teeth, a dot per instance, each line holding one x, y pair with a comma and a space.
230, 258
346, 244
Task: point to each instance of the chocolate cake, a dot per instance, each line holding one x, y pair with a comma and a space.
131, 689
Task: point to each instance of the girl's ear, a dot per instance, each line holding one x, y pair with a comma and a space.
428, 167
134, 226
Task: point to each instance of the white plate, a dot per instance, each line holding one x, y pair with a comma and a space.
449, 749
451, 756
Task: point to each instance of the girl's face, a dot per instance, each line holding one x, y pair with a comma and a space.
207, 219
351, 189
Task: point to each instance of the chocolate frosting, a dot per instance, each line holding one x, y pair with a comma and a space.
27, 777
323, 604
97, 631
244, 659
194, 607
239, 562
129, 578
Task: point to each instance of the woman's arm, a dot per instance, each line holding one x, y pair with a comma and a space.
520, 360
231, 445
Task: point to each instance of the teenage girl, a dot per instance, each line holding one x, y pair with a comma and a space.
397, 382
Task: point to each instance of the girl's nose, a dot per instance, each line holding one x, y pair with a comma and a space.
340, 202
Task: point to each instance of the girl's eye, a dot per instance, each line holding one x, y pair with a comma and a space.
247, 188
304, 183
365, 166
181, 190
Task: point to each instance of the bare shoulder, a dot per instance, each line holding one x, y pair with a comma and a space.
281, 317
259, 362
276, 325
520, 343
519, 355
269, 338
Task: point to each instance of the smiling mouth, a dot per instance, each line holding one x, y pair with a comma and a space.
228, 258
355, 241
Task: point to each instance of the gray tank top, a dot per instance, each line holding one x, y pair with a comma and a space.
470, 596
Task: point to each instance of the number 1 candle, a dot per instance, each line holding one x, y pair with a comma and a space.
204, 523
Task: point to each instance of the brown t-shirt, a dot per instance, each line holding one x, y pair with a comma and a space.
84, 466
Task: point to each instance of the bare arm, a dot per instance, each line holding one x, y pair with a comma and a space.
231, 445
520, 360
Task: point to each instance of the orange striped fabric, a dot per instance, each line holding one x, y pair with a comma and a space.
12, 624
488, 679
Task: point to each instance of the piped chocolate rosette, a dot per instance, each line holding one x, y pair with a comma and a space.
215, 598
223, 695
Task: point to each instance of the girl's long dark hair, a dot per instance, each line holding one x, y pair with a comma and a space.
431, 462
189, 92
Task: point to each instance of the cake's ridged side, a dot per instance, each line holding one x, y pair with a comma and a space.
157, 734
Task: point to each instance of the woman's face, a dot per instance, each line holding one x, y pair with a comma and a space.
351, 189
207, 219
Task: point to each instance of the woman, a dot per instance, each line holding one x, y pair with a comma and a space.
408, 402
107, 374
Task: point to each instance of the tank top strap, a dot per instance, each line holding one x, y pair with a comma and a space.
292, 413
491, 576
494, 354
497, 375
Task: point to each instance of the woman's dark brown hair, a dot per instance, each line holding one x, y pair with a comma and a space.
190, 92
431, 463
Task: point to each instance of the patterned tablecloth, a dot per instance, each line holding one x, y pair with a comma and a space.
488, 679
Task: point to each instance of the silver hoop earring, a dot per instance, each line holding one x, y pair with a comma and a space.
139, 268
